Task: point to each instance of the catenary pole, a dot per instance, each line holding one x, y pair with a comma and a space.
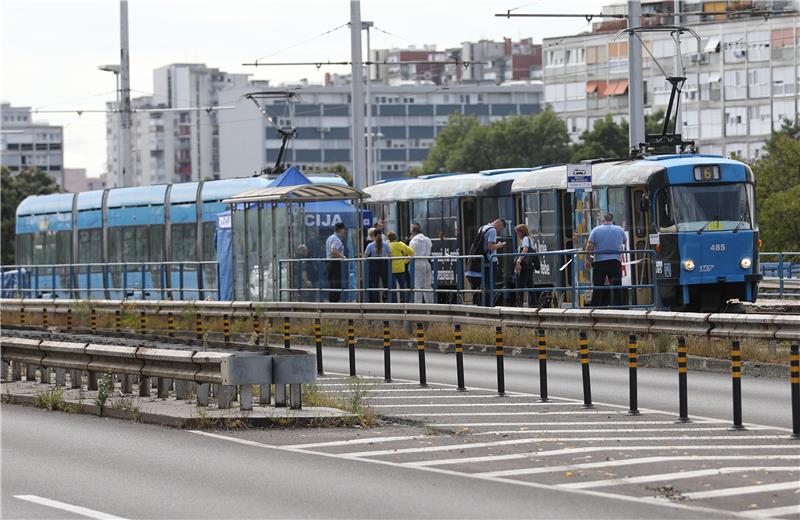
125, 97
357, 98
635, 94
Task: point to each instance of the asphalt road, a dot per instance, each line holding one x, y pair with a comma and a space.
141, 471
766, 401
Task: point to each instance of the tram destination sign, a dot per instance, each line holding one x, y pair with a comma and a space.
579, 177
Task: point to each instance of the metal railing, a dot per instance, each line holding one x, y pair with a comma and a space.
114, 280
781, 271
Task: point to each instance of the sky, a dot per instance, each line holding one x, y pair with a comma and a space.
50, 49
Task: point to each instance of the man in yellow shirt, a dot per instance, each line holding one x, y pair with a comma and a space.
399, 279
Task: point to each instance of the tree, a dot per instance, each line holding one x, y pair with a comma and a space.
13, 189
467, 146
606, 139
777, 175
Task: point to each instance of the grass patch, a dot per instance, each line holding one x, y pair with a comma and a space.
352, 400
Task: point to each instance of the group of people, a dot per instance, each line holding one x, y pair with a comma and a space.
383, 252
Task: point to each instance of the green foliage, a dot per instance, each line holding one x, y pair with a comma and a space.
105, 387
777, 174
467, 146
606, 139
13, 189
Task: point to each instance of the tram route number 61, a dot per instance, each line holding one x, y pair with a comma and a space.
718, 247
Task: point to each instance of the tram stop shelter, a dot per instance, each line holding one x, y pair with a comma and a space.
273, 224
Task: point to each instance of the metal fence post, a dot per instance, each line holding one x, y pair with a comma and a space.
633, 383
587, 382
387, 353
683, 390
351, 347
794, 378
318, 344
499, 343
423, 377
736, 380
541, 339
459, 347
245, 397
295, 396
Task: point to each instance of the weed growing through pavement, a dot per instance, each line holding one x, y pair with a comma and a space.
52, 399
105, 387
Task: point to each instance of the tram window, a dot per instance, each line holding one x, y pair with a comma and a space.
419, 213
617, 206
640, 229
63, 247
665, 220
90, 245
183, 242
43, 248
489, 210
532, 212
434, 223
24, 249
155, 241
450, 218
209, 241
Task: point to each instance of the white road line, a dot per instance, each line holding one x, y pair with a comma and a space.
676, 476
366, 383
744, 490
360, 441
569, 423
772, 512
494, 414
573, 451
466, 405
631, 462
513, 442
440, 471
453, 391
55, 504
454, 396
602, 430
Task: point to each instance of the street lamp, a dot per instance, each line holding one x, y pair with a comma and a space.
116, 70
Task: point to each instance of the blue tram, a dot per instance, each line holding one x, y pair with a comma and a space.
157, 238
696, 211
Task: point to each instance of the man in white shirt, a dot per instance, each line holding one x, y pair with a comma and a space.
423, 280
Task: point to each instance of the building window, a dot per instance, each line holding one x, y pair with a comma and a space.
736, 121
735, 84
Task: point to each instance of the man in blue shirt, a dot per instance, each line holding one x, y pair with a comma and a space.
488, 248
606, 240
334, 252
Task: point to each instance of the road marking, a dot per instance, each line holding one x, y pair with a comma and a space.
78, 510
535, 485
744, 490
360, 441
492, 414
573, 451
512, 442
567, 423
454, 396
632, 462
466, 405
603, 430
772, 512
675, 476
353, 385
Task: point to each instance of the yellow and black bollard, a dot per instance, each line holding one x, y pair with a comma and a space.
257, 328
583, 343
22, 320
198, 322
170, 325
45, 321
117, 321
351, 346
541, 340
499, 343
683, 387
736, 380
423, 376
142, 323
458, 343
69, 319
318, 344
226, 328
93, 320
387, 353
794, 374
633, 382
287, 332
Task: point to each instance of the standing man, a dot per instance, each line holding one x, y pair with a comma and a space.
399, 249
485, 244
606, 240
334, 252
423, 282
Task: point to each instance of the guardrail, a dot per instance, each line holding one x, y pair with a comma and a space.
781, 271
224, 370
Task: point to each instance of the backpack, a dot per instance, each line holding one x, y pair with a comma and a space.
529, 263
476, 248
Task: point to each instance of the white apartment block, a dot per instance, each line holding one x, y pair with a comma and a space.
742, 79
28, 144
170, 144
405, 122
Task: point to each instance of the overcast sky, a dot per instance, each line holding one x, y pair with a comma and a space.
50, 49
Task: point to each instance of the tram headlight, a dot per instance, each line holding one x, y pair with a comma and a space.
746, 263
688, 264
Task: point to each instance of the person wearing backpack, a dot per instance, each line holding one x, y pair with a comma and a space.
524, 265
485, 244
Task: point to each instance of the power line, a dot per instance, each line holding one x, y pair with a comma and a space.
329, 31
320, 64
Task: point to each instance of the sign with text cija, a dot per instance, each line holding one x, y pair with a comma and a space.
579, 177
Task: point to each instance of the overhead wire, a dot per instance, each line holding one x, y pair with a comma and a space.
298, 44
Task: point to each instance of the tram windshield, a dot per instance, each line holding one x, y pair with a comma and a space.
719, 207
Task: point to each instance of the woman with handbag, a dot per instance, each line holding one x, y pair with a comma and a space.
524, 266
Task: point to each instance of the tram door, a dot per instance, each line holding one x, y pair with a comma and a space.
468, 223
566, 242
640, 224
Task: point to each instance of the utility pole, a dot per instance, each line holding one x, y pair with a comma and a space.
372, 176
125, 98
679, 72
357, 97
635, 94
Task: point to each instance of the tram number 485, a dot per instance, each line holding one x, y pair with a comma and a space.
718, 247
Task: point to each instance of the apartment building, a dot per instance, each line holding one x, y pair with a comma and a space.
742, 77
406, 120
25, 143
172, 139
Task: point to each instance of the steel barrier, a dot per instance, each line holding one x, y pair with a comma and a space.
781, 271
